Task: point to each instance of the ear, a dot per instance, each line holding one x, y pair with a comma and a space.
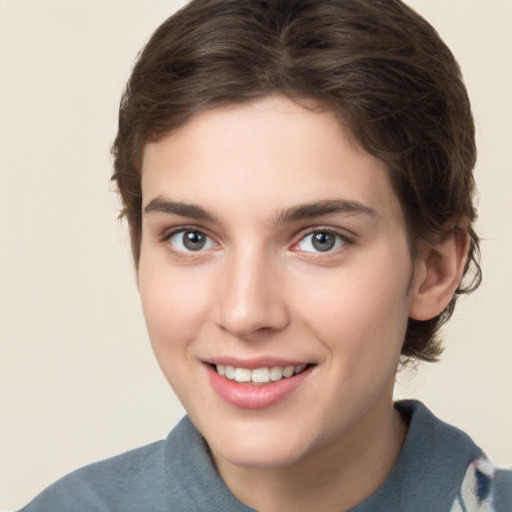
438, 274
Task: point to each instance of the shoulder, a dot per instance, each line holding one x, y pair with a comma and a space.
452, 470
485, 488
135, 480
441, 465
167, 476
103, 485
480, 486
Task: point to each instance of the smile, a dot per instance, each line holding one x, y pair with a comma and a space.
258, 376
259, 386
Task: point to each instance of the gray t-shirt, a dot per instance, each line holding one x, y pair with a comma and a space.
439, 469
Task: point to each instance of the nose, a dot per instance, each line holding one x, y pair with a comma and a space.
252, 296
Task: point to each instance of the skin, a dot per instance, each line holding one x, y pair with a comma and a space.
259, 287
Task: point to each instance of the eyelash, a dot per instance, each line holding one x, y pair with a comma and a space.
167, 240
343, 238
340, 237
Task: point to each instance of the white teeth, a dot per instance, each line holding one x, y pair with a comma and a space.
276, 373
288, 371
299, 368
242, 375
230, 372
259, 375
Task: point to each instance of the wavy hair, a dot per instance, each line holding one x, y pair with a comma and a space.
377, 64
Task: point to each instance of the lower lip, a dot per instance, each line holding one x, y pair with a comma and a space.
247, 396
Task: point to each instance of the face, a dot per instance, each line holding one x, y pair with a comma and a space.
274, 277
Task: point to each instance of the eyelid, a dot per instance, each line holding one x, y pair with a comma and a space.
170, 231
341, 234
348, 239
165, 239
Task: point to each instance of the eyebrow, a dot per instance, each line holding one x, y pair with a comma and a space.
292, 214
325, 207
165, 206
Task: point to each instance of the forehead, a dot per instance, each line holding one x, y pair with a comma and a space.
268, 154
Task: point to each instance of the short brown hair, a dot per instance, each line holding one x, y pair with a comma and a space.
376, 63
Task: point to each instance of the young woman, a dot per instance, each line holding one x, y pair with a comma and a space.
297, 179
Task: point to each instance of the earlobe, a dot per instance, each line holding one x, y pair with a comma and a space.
438, 274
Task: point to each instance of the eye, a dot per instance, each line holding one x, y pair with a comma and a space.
321, 241
190, 240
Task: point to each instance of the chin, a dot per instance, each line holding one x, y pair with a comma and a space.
264, 455
260, 446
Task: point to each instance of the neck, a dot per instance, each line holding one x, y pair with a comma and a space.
337, 477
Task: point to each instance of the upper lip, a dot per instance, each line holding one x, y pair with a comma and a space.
256, 362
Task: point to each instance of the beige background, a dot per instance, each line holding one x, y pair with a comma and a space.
78, 381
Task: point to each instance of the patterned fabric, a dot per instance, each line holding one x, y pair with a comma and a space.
476, 493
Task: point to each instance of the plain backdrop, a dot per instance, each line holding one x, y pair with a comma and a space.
78, 381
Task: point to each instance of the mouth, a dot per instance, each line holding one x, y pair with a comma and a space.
257, 384
258, 376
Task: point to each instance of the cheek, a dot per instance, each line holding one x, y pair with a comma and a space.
174, 312
174, 304
360, 315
